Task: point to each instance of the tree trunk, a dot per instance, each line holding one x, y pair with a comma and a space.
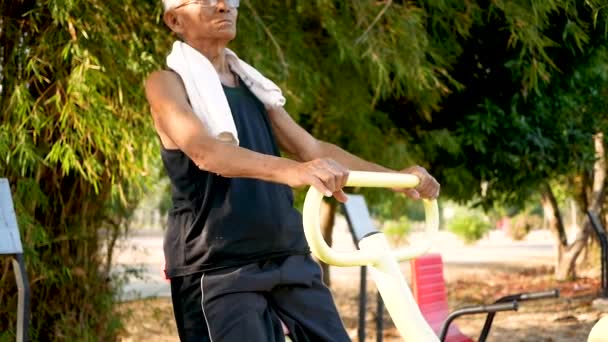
554, 222
599, 174
114, 232
328, 215
591, 198
566, 268
566, 255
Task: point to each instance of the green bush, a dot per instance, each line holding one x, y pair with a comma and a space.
78, 146
397, 230
470, 227
522, 224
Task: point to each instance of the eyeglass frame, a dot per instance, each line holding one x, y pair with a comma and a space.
200, 2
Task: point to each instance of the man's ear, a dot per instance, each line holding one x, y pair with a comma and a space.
173, 22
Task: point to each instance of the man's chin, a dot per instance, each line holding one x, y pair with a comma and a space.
216, 36
229, 37
225, 35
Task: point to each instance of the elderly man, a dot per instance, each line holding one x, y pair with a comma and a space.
235, 251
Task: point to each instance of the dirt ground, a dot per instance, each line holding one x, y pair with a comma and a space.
568, 318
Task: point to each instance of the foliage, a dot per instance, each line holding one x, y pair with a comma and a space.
522, 224
475, 96
76, 145
469, 226
397, 230
391, 206
504, 135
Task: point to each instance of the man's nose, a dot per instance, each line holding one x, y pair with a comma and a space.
222, 6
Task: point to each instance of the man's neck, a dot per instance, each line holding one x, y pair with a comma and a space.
214, 51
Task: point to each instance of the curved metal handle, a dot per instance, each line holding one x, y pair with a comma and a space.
321, 250
431, 214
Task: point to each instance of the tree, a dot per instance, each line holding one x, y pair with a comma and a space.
514, 134
585, 98
77, 147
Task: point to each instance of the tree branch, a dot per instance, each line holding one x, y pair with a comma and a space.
257, 17
369, 28
553, 214
599, 174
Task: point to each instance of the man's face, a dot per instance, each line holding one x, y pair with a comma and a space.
196, 20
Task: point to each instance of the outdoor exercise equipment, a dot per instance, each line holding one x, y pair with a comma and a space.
427, 283
360, 225
430, 292
517, 298
428, 286
601, 237
10, 244
599, 332
375, 253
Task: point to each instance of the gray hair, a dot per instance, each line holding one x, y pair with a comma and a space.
170, 4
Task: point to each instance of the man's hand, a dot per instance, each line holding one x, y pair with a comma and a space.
326, 175
428, 187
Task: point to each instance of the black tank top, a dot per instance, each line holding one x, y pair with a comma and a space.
219, 222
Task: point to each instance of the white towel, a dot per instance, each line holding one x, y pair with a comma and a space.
205, 91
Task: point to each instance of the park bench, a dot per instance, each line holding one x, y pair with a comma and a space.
428, 286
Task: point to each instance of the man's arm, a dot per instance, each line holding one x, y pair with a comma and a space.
179, 127
303, 146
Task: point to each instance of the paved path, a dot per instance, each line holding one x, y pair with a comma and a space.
143, 252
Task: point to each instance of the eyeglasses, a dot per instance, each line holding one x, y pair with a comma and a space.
210, 3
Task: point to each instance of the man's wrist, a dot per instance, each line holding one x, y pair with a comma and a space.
282, 171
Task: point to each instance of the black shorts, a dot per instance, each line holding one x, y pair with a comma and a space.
245, 303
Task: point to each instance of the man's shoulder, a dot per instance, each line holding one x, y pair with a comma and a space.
164, 82
163, 76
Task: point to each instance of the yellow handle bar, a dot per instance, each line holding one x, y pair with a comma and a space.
321, 250
375, 252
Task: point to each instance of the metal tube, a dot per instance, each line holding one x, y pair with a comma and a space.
379, 318
375, 252
601, 236
23, 293
381, 180
362, 303
485, 331
487, 325
323, 252
397, 296
474, 310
